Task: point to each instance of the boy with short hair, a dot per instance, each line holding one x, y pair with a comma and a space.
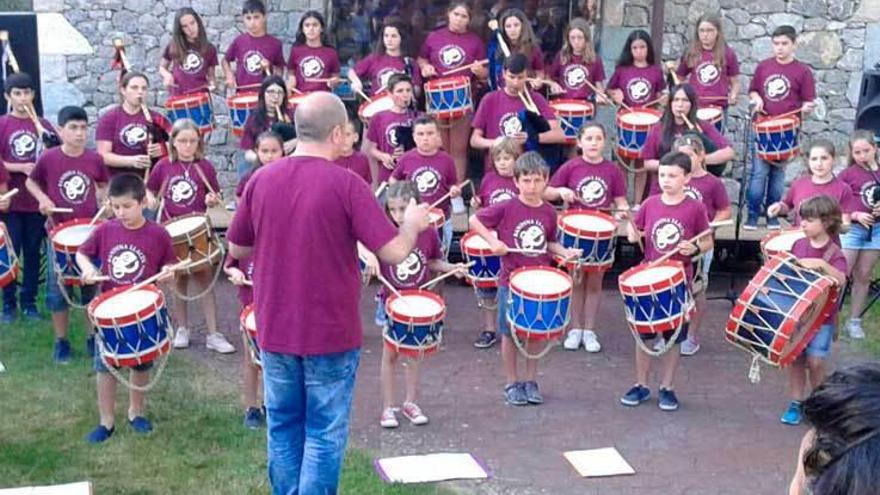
249, 49
520, 222
19, 145
668, 221
781, 84
68, 176
352, 159
130, 248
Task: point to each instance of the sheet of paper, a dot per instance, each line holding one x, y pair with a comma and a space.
598, 462
431, 467
81, 488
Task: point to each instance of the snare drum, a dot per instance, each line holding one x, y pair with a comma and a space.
240, 107
780, 242
437, 219
776, 139
538, 305
415, 322
781, 310
711, 115
132, 325
379, 103
593, 232
8, 258
656, 297
632, 130
249, 331
486, 265
196, 107
572, 115
192, 236
448, 98
66, 238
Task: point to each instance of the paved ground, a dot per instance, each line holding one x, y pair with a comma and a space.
725, 439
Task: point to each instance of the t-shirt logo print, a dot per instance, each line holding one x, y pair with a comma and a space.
426, 180
74, 186
451, 55
693, 193
707, 73
192, 63
23, 143
253, 62
182, 190
383, 77
133, 135
530, 235
500, 196
870, 194
592, 190
311, 66
408, 268
126, 263
776, 87
510, 125
391, 135
638, 89
667, 234
575, 76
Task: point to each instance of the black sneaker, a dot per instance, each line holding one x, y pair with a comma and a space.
515, 395
667, 400
254, 419
485, 340
62, 351
30, 313
533, 396
635, 396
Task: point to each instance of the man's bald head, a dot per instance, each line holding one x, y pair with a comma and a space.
316, 116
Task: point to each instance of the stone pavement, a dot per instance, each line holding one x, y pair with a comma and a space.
725, 439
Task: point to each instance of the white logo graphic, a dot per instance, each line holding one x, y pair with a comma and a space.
383, 77
182, 189
74, 186
667, 234
253, 62
451, 55
510, 125
707, 73
529, 234
776, 87
192, 63
311, 66
575, 76
427, 180
23, 144
694, 193
500, 196
592, 190
639, 89
132, 135
126, 262
391, 135
869, 193
410, 268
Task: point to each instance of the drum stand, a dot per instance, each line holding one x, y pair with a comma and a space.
748, 153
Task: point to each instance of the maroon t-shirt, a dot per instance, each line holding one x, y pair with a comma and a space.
783, 87
313, 63
803, 189
446, 50
433, 175
864, 186
383, 132
706, 189
303, 216
192, 74
246, 265
574, 74
803, 249
358, 163
498, 115
596, 185
18, 144
181, 186
128, 256
665, 226
248, 53
521, 226
654, 141
70, 181
640, 85
378, 68
708, 79
496, 189
127, 133
413, 271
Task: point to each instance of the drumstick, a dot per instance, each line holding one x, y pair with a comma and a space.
13, 62
466, 67
98, 215
721, 223
267, 67
61, 210
381, 188
9, 194
657, 100
326, 79
607, 98
177, 266
388, 284
445, 275
672, 253
687, 121
525, 251
364, 96
788, 114
281, 116
670, 67
101, 278
446, 196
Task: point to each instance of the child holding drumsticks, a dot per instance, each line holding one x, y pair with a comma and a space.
526, 222
412, 273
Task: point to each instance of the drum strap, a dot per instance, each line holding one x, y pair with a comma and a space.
830, 251
198, 167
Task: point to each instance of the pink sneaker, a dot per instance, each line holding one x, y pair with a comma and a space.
389, 419
414, 413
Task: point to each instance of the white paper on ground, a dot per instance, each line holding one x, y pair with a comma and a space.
81, 488
598, 462
431, 467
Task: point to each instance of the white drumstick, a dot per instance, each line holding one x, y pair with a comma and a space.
721, 223
9, 194
98, 215
388, 284
446, 196
381, 188
177, 266
525, 251
446, 275
61, 210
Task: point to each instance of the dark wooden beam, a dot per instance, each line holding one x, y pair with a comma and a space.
657, 19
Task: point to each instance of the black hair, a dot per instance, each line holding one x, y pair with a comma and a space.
517, 63
19, 80
592, 125
787, 31
531, 163
300, 38
397, 78
128, 184
269, 135
423, 120
260, 114
678, 159
71, 113
667, 122
253, 6
825, 209
626, 56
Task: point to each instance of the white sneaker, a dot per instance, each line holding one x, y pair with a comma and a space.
855, 330
573, 340
659, 343
181, 339
591, 343
217, 342
388, 418
689, 347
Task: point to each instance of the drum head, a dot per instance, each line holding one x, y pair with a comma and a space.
783, 241
416, 306
475, 242
571, 106
126, 304
651, 275
250, 321
436, 217
74, 235
184, 225
588, 222
639, 118
540, 281
377, 105
709, 113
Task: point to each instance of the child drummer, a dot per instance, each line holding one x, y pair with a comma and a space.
412, 273
525, 222
68, 176
668, 221
130, 248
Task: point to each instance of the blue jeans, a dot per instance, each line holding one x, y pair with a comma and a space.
767, 182
308, 399
27, 231
55, 300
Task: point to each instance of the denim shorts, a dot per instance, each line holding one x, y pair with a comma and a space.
857, 238
820, 346
503, 326
55, 301
100, 367
682, 336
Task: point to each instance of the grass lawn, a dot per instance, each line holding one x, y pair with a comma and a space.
198, 447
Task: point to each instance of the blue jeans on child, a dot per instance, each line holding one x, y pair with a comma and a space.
766, 186
27, 231
308, 400
55, 300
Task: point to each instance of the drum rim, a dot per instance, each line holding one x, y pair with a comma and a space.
64, 225
415, 320
576, 231
442, 217
173, 102
773, 235
474, 251
572, 101
621, 125
242, 319
204, 216
140, 315
794, 123
446, 83
666, 283
236, 98
540, 297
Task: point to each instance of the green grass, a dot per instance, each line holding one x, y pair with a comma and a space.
198, 447
870, 323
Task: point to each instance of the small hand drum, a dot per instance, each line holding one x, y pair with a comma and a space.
66, 238
448, 98
593, 232
240, 107
193, 238
776, 139
415, 323
196, 107
780, 242
538, 305
572, 115
633, 127
711, 115
485, 267
370, 108
656, 298
132, 325
8, 259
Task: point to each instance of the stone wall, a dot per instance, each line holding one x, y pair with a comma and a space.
838, 40
145, 26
